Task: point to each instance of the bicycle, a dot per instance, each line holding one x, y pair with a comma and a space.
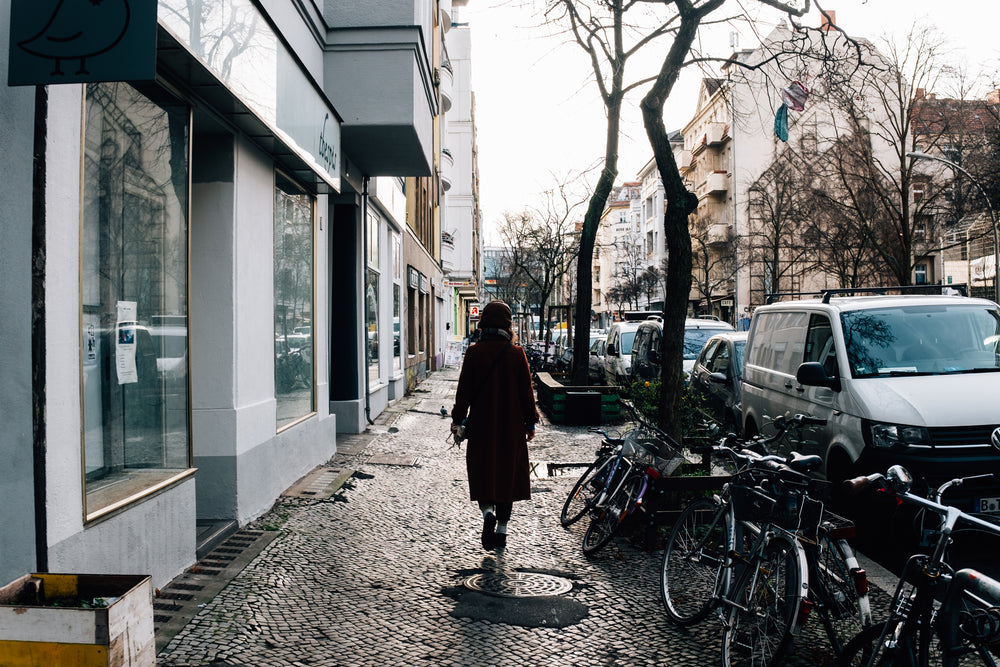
701, 552
936, 616
646, 454
583, 494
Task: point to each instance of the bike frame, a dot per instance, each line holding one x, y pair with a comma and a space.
913, 619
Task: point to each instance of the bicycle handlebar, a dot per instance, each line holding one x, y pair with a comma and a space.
897, 481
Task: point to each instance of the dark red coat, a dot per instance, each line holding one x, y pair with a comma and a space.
503, 404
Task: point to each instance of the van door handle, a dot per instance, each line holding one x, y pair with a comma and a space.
788, 385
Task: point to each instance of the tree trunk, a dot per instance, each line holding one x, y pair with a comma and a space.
680, 204
588, 237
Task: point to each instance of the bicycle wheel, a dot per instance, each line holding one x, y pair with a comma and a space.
845, 611
581, 496
694, 559
604, 526
860, 650
765, 607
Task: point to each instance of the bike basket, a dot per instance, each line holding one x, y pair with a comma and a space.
655, 451
752, 504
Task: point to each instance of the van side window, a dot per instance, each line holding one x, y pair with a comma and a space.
820, 346
779, 341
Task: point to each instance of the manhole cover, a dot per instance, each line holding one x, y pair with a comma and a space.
518, 584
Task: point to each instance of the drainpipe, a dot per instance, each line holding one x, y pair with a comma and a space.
39, 442
364, 296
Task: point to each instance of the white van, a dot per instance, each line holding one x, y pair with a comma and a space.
618, 352
913, 380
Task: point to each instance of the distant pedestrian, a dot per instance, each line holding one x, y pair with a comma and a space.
496, 402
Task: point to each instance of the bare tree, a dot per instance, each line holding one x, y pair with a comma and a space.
603, 30
870, 178
779, 207
600, 29
681, 202
541, 245
713, 259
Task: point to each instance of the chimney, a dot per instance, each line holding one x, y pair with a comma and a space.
993, 97
918, 94
829, 19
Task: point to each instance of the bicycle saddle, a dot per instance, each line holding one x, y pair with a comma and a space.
804, 462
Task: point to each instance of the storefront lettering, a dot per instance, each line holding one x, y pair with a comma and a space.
327, 152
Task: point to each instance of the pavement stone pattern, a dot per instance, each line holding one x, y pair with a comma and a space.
377, 580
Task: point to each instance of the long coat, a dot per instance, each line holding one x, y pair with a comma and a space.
502, 406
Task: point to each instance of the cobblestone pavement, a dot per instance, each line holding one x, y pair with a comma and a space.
378, 580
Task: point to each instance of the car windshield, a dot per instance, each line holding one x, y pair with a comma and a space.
628, 337
694, 341
922, 340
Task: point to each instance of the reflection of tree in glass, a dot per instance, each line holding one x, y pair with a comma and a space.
220, 31
136, 170
865, 336
293, 248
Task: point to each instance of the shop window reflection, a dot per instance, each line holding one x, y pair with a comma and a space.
133, 277
293, 302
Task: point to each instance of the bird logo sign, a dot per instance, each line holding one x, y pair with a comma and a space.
76, 41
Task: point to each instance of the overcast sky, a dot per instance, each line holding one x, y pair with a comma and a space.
538, 113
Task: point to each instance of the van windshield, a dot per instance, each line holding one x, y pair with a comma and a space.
922, 340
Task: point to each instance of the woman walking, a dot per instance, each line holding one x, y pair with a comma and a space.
496, 401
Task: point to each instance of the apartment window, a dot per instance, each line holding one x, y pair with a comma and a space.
397, 295
920, 274
293, 301
372, 292
134, 289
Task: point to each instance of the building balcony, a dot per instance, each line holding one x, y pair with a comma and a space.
716, 133
719, 233
446, 85
717, 183
685, 160
378, 73
447, 168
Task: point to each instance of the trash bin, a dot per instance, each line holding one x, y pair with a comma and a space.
583, 408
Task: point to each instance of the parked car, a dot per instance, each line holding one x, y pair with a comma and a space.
908, 380
646, 352
716, 376
598, 343
618, 352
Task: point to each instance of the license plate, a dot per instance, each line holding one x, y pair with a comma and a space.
988, 504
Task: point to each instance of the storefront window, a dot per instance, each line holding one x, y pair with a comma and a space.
397, 295
134, 256
293, 302
372, 298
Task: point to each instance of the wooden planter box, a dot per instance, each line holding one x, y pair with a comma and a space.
672, 494
581, 406
34, 633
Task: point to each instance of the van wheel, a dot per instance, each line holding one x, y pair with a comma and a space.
838, 468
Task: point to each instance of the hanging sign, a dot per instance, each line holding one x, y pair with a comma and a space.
67, 41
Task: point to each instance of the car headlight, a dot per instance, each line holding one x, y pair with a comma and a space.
896, 436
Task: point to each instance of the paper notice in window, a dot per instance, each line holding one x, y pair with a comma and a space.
125, 343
